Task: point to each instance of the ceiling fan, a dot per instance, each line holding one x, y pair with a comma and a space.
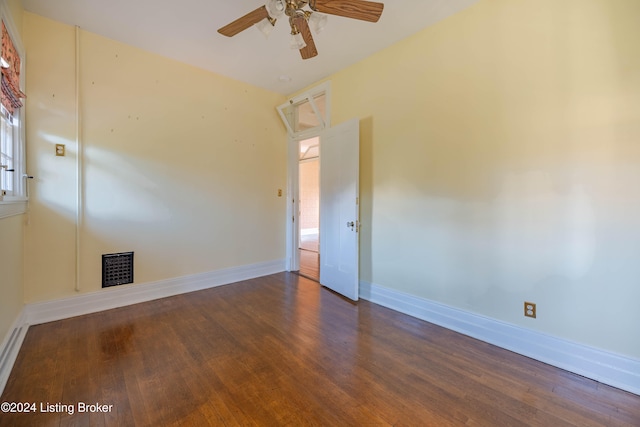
301, 17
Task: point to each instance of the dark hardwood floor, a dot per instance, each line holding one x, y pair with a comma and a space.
281, 350
310, 264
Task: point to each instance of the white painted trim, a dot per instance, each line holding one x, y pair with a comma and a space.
605, 367
12, 208
293, 161
293, 206
11, 347
124, 295
19, 163
308, 96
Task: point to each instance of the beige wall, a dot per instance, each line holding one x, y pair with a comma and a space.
181, 166
500, 163
11, 240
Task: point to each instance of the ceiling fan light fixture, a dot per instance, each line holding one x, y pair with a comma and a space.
303, 18
275, 8
297, 41
266, 26
317, 22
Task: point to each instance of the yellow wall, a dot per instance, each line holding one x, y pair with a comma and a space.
11, 273
181, 166
500, 163
15, 9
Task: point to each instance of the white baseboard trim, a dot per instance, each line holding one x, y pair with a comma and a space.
605, 367
11, 347
124, 295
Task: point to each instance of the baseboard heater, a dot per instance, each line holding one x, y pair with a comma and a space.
117, 269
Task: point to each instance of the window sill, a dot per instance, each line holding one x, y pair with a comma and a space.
12, 206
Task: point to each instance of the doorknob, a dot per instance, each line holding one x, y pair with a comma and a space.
350, 224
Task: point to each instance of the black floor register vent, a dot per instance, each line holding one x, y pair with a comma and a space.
117, 269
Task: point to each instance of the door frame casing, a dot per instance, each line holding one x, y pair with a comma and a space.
292, 261
293, 202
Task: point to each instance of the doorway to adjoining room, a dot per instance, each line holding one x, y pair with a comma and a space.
309, 204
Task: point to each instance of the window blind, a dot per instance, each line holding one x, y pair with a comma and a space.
10, 94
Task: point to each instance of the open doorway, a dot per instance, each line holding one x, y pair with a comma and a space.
327, 251
309, 208
305, 116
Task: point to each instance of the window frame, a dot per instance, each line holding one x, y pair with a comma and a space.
16, 203
307, 97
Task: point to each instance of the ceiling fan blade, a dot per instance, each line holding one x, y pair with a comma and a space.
245, 22
356, 9
309, 51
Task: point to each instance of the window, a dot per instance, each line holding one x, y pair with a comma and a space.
12, 164
7, 154
306, 114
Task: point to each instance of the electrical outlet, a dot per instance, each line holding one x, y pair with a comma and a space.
60, 151
529, 309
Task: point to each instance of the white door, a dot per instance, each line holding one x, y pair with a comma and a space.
339, 197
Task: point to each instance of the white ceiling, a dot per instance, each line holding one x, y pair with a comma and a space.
186, 30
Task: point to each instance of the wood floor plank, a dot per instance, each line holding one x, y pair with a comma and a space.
310, 264
281, 350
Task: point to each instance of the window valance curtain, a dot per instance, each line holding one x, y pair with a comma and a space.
11, 92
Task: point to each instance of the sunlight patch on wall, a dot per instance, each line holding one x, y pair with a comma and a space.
121, 188
54, 183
